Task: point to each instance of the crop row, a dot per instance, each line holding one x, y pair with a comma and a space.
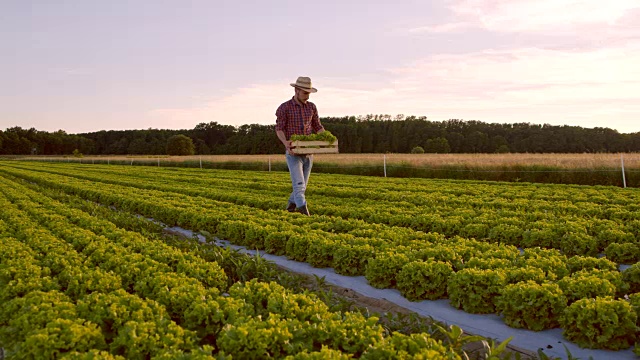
477, 277
601, 202
610, 229
110, 291
374, 232
262, 229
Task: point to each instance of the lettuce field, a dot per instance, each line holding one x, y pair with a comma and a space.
77, 282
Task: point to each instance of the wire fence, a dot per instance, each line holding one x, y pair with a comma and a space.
371, 165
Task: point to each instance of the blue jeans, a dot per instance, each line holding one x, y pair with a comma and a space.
299, 169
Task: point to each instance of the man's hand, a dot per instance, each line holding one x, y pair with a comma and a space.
284, 141
288, 145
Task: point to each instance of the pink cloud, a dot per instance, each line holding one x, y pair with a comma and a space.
587, 88
540, 16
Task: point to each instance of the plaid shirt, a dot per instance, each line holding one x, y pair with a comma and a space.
294, 118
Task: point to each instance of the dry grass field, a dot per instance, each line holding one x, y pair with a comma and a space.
562, 161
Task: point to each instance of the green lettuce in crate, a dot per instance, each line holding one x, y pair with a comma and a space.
532, 306
323, 136
600, 323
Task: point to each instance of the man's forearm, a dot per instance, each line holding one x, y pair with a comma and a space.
282, 137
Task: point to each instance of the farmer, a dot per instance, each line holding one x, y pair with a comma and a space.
298, 116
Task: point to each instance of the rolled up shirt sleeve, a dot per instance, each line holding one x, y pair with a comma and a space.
281, 118
315, 121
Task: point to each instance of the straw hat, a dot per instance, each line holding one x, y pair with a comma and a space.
304, 83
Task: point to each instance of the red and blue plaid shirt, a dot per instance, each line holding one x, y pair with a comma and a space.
294, 118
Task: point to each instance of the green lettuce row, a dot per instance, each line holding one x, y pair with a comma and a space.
558, 206
64, 264
545, 263
135, 203
39, 321
154, 287
238, 236
579, 238
210, 274
329, 225
538, 258
548, 197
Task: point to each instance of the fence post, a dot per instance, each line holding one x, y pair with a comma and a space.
624, 180
269, 163
158, 160
132, 162
200, 162
385, 165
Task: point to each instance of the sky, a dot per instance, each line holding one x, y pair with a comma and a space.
88, 65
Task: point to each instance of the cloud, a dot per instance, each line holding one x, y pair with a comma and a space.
252, 104
587, 88
444, 28
552, 17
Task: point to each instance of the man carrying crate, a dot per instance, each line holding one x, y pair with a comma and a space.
298, 116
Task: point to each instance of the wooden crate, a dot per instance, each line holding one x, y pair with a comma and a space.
314, 147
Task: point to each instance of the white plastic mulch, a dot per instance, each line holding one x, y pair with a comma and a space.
490, 326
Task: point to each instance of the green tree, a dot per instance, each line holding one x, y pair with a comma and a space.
498, 144
417, 150
476, 142
180, 145
438, 145
138, 147
456, 141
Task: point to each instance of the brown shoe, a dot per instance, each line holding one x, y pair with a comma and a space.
291, 207
303, 210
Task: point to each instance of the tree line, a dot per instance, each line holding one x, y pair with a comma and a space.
362, 134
